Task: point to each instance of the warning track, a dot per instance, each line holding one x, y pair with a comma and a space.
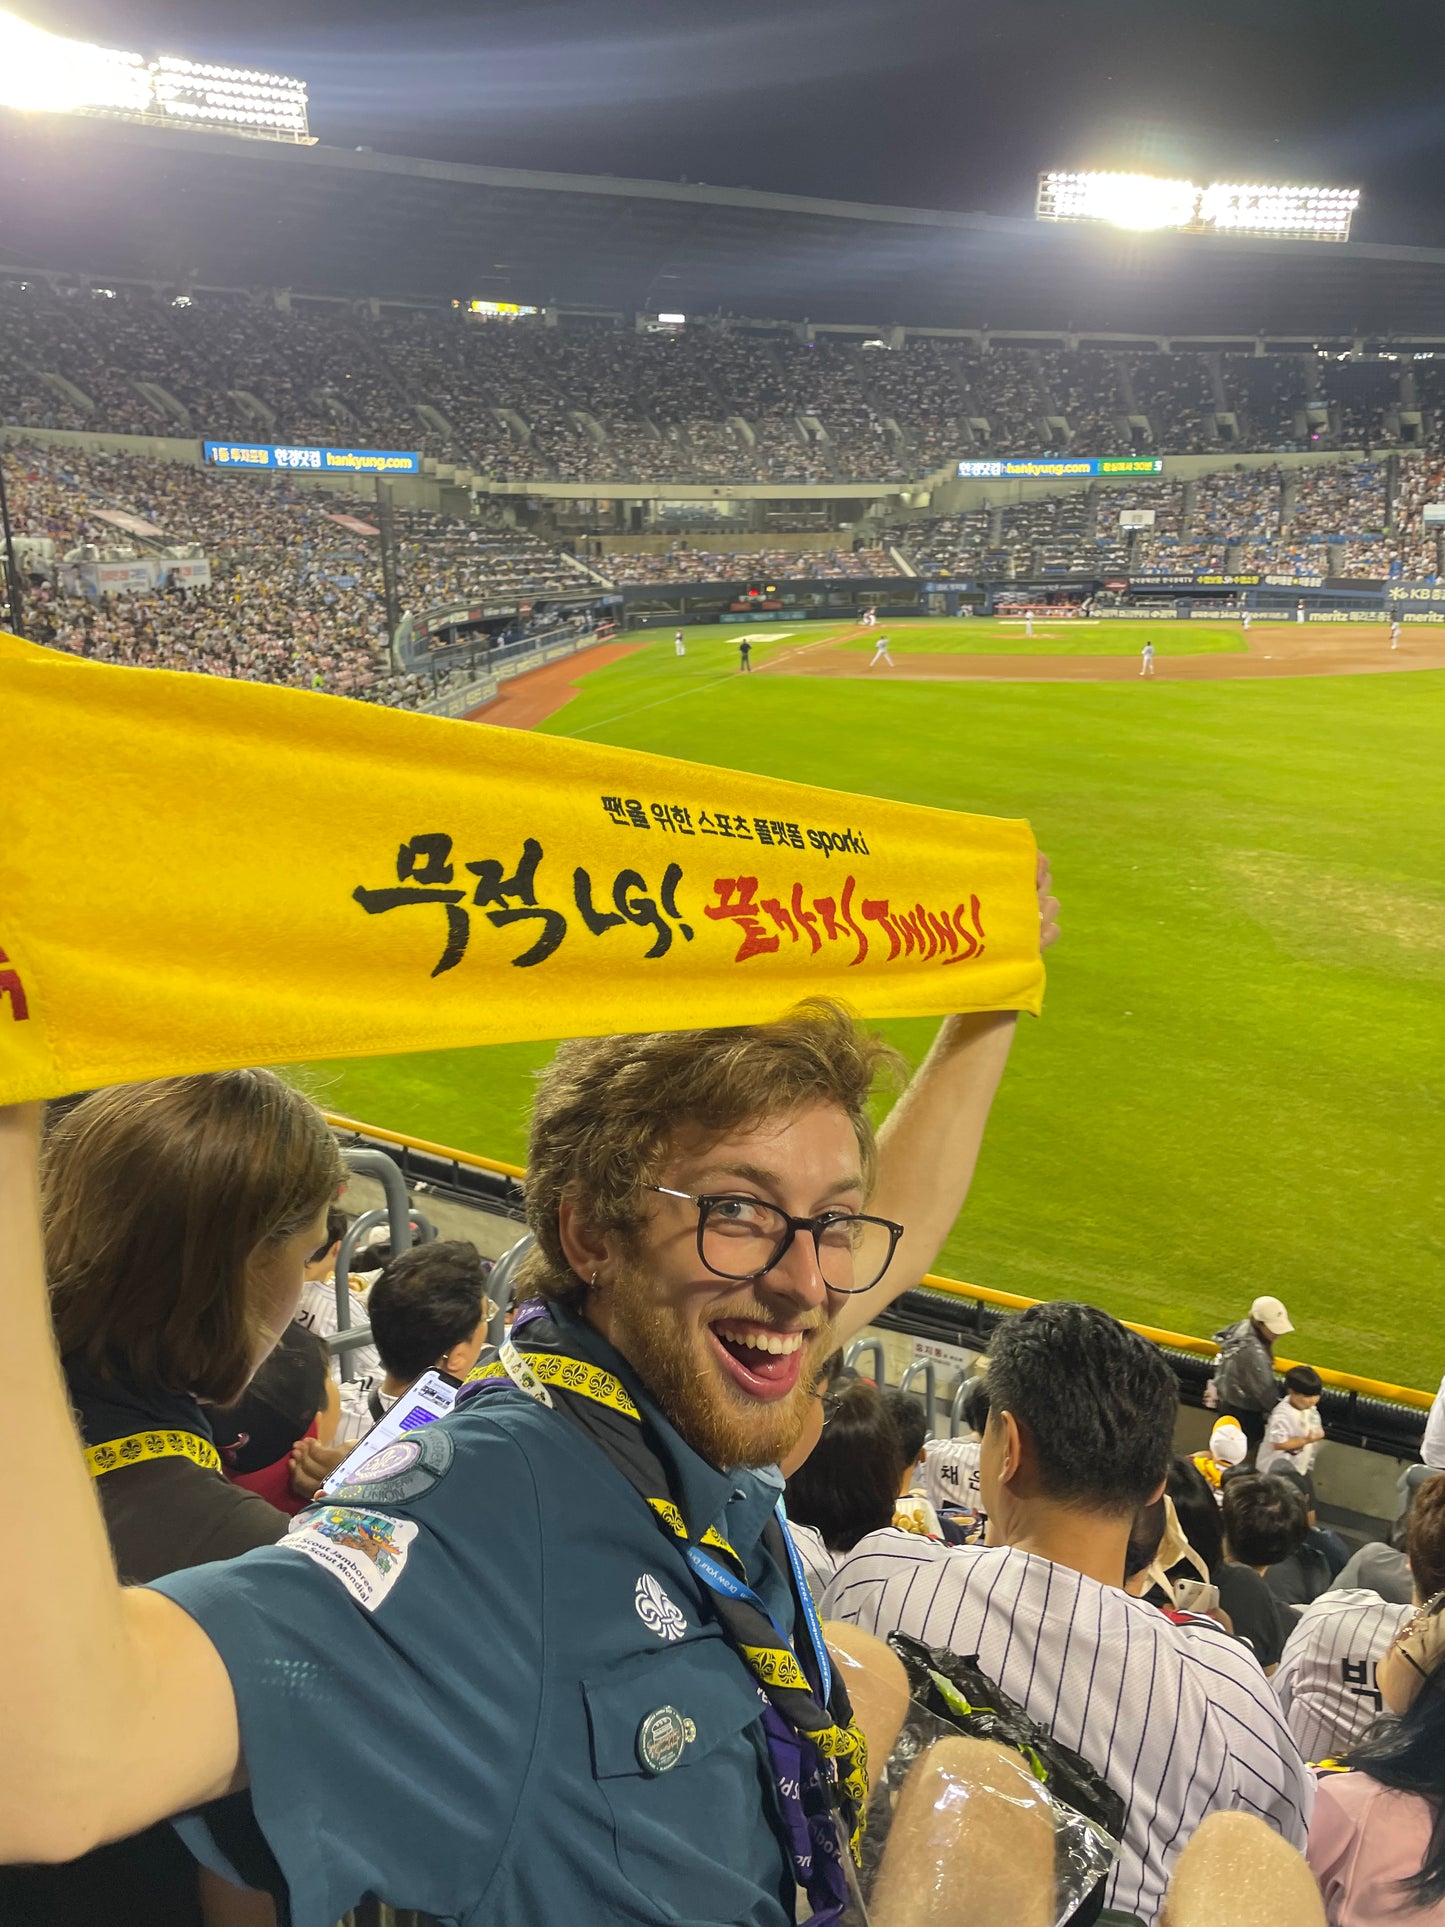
526, 700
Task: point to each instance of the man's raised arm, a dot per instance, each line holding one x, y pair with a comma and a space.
929, 1144
115, 1707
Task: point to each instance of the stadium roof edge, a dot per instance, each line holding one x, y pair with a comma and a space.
97, 198
697, 193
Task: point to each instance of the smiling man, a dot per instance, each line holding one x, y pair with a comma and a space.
550, 1658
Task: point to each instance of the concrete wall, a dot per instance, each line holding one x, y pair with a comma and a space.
1359, 1485
742, 542
410, 491
161, 448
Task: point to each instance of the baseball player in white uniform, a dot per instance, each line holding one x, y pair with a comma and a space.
880, 653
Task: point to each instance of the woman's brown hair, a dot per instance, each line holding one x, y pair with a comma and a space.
156, 1200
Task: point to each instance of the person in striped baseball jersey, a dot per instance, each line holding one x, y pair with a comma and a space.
1178, 1717
1327, 1682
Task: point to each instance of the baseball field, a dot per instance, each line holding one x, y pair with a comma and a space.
1238, 1083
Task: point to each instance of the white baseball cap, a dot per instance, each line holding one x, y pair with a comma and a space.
1227, 1443
1270, 1313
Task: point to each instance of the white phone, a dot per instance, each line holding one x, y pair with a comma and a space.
431, 1397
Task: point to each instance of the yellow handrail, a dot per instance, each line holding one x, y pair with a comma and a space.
340, 1123
1201, 1347
983, 1294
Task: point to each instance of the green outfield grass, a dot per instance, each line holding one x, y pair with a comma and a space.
986, 636
1238, 1084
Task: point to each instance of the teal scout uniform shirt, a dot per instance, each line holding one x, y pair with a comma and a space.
488, 1686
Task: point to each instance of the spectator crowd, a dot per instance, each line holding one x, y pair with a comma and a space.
587, 400
295, 595
625, 1631
1330, 519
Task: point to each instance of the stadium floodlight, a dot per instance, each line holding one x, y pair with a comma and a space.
1309, 213
40, 70
44, 73
672, 320
1123, 200
1143, 201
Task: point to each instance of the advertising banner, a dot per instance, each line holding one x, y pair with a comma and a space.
310, 461
474, 885
1415, 595
116, 578
193, 573
1056, 468
1168, 614
1187, 581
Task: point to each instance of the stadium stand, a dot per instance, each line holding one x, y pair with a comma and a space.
590, 399
314, 583
710, 565
1330, 520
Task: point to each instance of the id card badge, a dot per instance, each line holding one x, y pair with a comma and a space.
430, 1398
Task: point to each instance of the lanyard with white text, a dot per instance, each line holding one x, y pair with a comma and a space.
721, 1580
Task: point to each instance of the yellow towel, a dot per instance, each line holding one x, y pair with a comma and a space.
197, 873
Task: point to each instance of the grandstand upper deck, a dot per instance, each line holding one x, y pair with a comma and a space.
584, 399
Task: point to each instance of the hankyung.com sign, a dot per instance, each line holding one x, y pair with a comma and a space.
255, 456
1057, 468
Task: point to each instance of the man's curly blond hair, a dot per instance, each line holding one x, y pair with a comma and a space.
608, 1109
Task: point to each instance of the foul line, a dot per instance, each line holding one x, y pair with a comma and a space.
676, 696
695, 689
787, 655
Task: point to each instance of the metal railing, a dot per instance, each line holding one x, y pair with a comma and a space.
1365, 1411
405, 1227
856, 1350
922, 1368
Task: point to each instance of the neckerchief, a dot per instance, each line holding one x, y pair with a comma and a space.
818, 1753
122, 1424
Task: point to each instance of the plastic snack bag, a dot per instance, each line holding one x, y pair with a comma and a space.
968, 1820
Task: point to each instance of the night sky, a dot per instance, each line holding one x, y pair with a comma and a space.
941, 103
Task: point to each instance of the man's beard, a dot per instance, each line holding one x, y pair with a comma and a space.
717, 1419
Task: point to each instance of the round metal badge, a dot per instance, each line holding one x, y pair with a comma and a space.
661, 1739
401, 1471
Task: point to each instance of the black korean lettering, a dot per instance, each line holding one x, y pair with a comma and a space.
493, 887
422, 865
